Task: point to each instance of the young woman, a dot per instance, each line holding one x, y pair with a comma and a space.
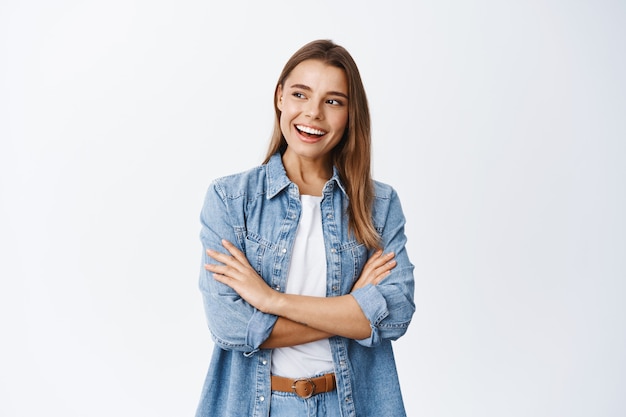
306, 279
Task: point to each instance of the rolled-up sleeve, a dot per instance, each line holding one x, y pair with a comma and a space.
234, 324
389, 306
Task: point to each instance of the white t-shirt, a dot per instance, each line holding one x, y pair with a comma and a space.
307, 276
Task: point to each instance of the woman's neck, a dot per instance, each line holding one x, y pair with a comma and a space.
309, 175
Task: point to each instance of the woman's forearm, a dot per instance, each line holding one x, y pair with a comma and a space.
340, 316
289, 333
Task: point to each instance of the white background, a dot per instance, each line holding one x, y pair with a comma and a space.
500, 123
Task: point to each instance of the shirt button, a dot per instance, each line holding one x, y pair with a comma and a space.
284, 250
335, 288
264, 362
262, 398
333, 250
329, 216
277, 288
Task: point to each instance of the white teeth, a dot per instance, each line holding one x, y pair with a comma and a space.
310, 130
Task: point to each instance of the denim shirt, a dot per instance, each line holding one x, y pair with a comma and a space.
258, 210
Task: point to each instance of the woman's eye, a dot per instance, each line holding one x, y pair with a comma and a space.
298, 95
334, 102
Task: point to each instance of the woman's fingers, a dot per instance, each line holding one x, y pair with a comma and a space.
227, 271
234, 270
384, 270
236, 260
231, 266
378, 258
235, 252
377, 267
377, 261
219, 256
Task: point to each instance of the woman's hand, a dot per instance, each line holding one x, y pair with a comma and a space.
377, 267
238, 274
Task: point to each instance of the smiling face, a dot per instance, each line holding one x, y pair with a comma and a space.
313, 104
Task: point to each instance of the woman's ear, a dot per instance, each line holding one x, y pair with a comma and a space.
279, 97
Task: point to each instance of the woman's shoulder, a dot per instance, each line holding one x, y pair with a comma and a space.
383, 191
386, 205
253, 172
250, 181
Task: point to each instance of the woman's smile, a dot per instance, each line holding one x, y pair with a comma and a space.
310, 134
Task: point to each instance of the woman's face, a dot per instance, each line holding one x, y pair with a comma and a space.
314, 109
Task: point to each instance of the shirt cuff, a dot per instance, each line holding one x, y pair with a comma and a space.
259, 328
374, 306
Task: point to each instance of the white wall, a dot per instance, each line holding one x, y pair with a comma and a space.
501, 124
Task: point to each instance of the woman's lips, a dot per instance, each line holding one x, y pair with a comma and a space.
311, 130
310, 134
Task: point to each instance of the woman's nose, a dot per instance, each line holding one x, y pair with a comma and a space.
314, 110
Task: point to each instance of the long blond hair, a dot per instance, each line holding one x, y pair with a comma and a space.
352, 156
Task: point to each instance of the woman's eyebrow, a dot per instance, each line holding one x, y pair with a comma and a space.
302, 87
307, 88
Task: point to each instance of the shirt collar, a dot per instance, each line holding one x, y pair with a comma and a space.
277, 179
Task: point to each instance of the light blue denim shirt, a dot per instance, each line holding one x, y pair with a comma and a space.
258, 211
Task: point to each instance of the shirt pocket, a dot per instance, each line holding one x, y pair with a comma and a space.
353, 256
259, 252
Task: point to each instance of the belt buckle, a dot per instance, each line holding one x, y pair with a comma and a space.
309, 385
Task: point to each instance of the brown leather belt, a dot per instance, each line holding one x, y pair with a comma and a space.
304, 387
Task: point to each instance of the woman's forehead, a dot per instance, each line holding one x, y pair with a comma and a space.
317, 76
